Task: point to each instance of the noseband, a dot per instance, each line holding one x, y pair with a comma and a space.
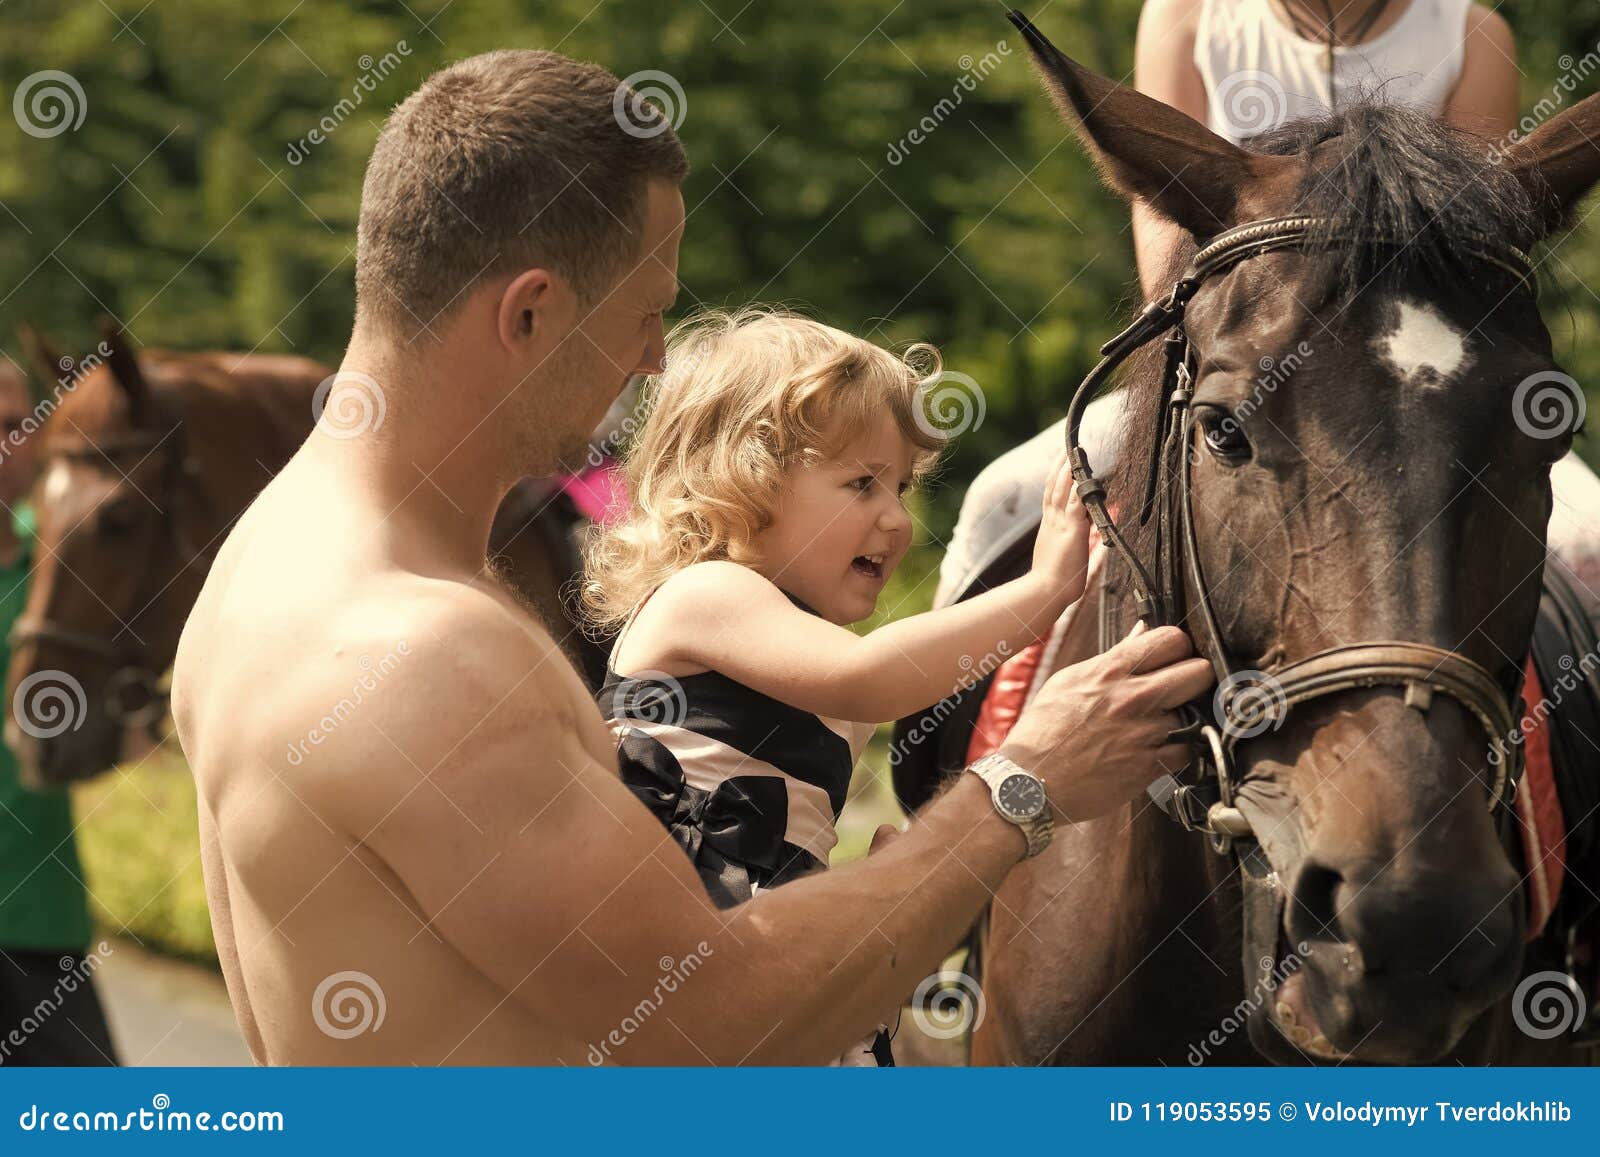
1158, 591
137, 669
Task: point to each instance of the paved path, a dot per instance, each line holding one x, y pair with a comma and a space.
164, 1012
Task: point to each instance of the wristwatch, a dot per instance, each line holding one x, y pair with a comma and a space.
1020, 799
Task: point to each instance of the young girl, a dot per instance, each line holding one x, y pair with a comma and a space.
766, 512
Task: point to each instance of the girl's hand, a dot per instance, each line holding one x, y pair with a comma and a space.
1061, 551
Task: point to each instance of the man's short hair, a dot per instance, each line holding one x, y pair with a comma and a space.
502, 162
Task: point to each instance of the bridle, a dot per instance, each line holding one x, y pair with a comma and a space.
1423, 670
133, 692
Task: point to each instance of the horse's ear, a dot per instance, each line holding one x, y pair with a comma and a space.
125, 369
1147, 150
43, 363
1560, 161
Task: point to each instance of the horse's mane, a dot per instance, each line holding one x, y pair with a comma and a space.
1426, 197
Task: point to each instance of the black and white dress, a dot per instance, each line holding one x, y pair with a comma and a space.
748, 786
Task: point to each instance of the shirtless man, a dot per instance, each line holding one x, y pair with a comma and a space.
417, 847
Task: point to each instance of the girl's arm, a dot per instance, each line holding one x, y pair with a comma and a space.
1164, 68
729, 618
1485, 98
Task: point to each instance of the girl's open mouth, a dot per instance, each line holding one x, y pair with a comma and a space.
870, 565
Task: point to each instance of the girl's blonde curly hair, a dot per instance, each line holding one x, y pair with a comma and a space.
743, 396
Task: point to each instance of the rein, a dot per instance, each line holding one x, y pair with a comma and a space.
1423, 670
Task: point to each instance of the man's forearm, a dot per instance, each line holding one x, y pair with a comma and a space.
841, 950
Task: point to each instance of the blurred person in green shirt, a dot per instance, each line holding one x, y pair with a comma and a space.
49, 1013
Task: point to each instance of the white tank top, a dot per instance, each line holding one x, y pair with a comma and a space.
1259, 73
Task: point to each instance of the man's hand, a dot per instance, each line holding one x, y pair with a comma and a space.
1097, 731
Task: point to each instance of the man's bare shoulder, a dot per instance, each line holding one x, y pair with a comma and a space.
430, 692
450, 652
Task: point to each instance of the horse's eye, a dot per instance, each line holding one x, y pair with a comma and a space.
1224, 435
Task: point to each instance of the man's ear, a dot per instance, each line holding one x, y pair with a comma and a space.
536, 305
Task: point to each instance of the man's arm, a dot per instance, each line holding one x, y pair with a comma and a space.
528, 855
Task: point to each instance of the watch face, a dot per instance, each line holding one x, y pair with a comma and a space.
1021, 797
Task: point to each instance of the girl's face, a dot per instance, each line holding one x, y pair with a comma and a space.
841, 527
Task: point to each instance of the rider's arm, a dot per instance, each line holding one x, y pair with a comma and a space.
525, 852
1164, 67
730, 619
1485, 97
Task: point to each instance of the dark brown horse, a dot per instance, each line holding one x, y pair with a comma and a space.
1386, 491
145, 463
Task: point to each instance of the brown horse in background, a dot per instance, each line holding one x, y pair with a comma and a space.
145, 463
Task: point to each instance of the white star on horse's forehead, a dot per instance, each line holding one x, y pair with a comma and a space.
1423, 349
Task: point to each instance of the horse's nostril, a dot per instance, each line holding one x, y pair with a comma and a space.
1313, 907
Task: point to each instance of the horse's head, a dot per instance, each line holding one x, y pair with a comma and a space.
1371, 462
109, 586
143, 464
